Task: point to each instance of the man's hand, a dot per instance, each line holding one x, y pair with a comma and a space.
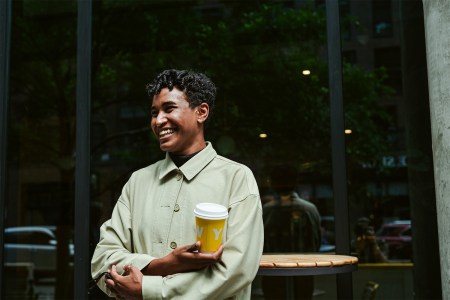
183, 259
127, 286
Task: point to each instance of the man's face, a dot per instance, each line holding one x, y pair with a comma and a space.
178, 127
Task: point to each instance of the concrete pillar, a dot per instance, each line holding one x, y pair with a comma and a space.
437, 35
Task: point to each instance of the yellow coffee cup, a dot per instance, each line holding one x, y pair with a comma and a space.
210, 224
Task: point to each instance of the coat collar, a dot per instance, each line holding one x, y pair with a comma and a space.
193, 166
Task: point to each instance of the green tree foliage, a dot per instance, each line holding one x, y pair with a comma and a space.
43, 85
254, 52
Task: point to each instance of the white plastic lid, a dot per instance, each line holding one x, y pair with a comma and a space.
211, 211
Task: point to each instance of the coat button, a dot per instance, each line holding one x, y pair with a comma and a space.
173, 245
176, 208
179, 176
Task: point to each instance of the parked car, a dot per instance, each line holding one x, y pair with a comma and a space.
397, 236
35, 244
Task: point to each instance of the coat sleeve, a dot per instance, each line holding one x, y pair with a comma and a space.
240, 261
115, 246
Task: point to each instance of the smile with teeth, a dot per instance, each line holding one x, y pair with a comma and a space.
166, 132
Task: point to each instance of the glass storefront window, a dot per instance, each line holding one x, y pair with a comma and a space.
272, 105
41, 147
383, 201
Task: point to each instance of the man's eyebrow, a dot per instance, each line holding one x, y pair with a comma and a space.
167, 103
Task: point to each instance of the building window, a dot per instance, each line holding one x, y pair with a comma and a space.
382, 18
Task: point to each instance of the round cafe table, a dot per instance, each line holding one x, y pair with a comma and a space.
286, 264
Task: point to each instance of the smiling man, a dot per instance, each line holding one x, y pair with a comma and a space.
148, 249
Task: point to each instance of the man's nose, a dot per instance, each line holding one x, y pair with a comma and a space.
161, 118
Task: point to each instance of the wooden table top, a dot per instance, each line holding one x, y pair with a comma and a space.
286, 264
287, 260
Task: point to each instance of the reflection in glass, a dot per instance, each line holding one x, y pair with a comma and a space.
41, 145
385, 192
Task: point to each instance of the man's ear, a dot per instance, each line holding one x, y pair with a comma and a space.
202, 112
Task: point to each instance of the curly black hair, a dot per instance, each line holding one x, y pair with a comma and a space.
197, 87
